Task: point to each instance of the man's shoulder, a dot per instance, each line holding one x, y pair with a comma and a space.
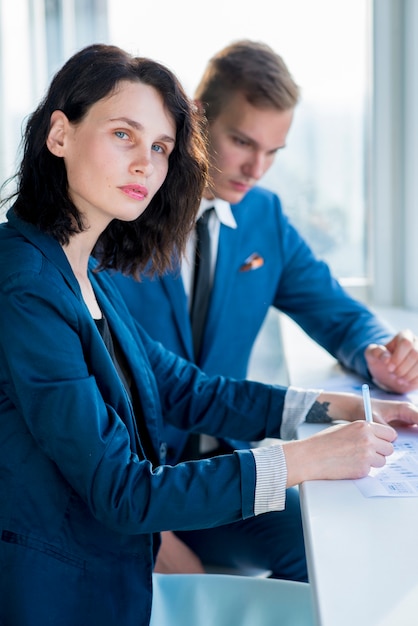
258, 191
258, 199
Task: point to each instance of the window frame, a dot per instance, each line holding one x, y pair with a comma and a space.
393, 216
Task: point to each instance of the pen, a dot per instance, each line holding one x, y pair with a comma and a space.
367, 403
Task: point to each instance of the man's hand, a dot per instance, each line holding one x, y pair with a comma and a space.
174, 557
394, 366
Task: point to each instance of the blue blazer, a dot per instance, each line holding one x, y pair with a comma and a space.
81, 490
287, 276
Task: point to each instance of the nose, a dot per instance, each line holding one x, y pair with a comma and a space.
142, 162
255, 166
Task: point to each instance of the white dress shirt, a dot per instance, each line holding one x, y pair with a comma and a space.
221, 215
270, 492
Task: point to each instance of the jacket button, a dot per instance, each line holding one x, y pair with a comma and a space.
163, 451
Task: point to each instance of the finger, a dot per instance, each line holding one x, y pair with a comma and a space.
385, 432
405, 412
402, 346
384, 448
379, 360
396, 370
403, 335
408, 367
413, 384
374, 444
395, 413
379, 460
378, 352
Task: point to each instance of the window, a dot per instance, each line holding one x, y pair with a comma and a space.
321, 175
70, 25
348, 175
49, 32
394, 154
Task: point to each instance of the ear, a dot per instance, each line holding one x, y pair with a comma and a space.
199, 106
57, 133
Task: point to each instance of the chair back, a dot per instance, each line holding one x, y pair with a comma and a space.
227, 600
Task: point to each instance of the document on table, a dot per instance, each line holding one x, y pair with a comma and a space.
399, 477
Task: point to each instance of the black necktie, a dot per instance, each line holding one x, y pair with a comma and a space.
201, 281
199, 306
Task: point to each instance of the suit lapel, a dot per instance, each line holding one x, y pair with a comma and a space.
138, 361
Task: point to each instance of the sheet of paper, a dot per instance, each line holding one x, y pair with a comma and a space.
399, 477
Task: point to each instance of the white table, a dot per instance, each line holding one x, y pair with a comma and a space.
362, 552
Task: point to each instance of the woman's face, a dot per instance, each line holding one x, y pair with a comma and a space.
117, 156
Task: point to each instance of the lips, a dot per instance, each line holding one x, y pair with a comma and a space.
240, 186
137, 192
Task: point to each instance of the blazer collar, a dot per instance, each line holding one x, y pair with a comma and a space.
125, 332
55, 254
48, 246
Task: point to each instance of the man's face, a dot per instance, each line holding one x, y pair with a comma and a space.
243, 142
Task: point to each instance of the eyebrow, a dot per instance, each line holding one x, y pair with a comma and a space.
138, 126
246, 137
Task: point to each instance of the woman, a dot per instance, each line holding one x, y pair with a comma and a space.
84, 490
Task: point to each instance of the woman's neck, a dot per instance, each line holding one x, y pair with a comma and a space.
78, 253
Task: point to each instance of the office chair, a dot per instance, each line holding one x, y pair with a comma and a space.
225, 600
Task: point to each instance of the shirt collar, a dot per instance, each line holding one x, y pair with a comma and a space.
222, 209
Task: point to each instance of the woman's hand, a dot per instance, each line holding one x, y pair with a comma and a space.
350, 407
339, 452
394, 413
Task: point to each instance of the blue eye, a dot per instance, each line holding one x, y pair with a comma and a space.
121, 134
157, 148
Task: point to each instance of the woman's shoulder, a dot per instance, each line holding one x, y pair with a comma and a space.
18, 255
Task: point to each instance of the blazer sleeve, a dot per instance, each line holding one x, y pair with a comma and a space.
63, 423
314, 299
214, 405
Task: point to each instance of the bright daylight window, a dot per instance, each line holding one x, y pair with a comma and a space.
321, 175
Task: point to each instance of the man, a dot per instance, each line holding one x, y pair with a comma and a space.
258, 260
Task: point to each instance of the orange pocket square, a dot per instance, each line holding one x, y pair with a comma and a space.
253, 262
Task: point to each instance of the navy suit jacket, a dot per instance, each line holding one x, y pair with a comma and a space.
81, 492
290, 278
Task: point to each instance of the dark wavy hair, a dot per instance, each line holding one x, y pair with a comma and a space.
151, 242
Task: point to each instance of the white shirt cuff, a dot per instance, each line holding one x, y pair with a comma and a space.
297, 404
271, 472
